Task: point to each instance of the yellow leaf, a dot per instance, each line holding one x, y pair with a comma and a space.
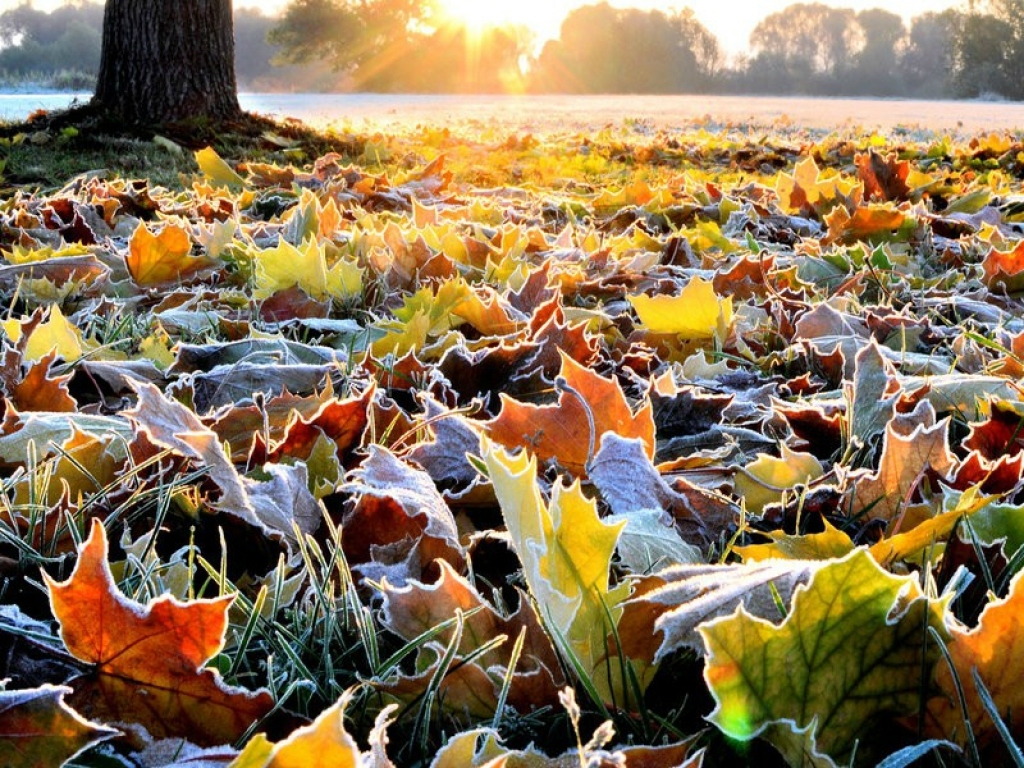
284, 266
830, 543
846, 659
566, 551
931, 532
401, 338
763, 482
323, 742
696, 313
56, 334
157, 347
216, 171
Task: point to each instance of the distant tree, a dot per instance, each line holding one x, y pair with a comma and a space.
809, 46
926, 63
348, 34
253, 51
602, 49
453, 59
981, 45
167, 60
876, 64
1011, 12
398, 45
703, 44
37, 42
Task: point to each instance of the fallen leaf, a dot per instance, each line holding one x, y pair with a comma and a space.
216, 171
696, 313
398, 523
995, 649
847, 656
39, 730
164, 258
566, 553
149, 658
563, 431
765, 480
54, 336
324, 742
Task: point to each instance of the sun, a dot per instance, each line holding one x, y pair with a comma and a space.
539, 16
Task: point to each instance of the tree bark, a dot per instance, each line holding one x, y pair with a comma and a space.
165, 61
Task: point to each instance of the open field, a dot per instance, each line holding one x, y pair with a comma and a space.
554, 112
517, 444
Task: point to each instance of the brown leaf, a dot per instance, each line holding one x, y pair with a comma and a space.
910, 448
38, 730
33, 389
884, 178
397, 507
417, 608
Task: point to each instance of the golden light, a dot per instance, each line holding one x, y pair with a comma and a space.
539, 16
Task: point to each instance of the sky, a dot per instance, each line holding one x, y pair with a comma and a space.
731, 22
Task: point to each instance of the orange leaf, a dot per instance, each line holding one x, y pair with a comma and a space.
1004, 270
996, 649
164, 258
562, 431
865, 223
34, 389
149, 658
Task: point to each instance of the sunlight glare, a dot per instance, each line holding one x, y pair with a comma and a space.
539, 16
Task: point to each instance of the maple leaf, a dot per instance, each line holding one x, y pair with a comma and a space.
871, 396
809, 191
651, 509
398, 524
158, 259
39, 730
216, 171
482, 748
416, 608
34, 389
869, 223
995, 649
560, 431
445, 457
55, 335
324, 742
275, 506
305, 266
696, 313
1004, 270
908, 451
848, 654
149, 658
766, 479
830, 543
884, 178
566, 553
84, 465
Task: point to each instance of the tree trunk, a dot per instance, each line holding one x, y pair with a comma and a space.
167, 60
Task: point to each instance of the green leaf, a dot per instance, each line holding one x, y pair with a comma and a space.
848, 655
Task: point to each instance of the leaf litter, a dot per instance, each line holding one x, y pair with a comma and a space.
625, 447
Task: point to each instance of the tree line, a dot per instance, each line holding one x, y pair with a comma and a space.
405, 45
